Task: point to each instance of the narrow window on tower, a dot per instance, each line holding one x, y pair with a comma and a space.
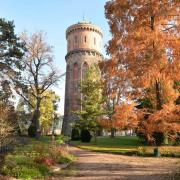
75, 39
85, 39
84, 69
94, 41
75, 77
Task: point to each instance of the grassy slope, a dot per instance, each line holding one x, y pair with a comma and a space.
126, 145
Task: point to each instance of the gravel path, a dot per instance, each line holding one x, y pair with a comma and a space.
92, 165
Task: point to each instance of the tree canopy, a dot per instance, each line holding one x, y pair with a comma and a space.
145, 45
12, 50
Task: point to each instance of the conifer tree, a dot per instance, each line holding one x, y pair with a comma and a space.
146, 44
91, 89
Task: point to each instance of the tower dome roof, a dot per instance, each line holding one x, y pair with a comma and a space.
86, 25
84, 22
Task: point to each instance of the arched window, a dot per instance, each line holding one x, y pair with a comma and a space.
75, 72
75, 103
84, 69
75, 78
75, 85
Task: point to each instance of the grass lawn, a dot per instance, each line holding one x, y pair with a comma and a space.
129, 145
35, 159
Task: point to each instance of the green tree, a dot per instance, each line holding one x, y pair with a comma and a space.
91, 89
24, 116
48, 110
11, 52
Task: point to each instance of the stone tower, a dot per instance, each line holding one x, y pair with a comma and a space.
84, 47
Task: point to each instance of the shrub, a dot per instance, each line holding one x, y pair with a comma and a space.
85, 135
142, 151
7, 125
33, 161
142, 138
32, 131
23, 172
177, 140
75, 134
158, 138
48, 161
23, 167
60, 154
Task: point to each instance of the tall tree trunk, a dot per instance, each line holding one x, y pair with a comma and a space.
35, 119
112, 132
158, 95
53, 130
159, 107
95, 136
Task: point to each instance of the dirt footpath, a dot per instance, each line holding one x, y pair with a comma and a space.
92, 165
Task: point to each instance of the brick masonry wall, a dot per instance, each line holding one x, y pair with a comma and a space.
84, 45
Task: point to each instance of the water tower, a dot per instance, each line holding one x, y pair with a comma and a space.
84, 47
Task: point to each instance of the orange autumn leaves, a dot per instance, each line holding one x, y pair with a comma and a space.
144, 64
165, 121
124, 118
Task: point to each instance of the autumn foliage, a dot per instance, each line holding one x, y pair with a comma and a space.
145, 53
165, 121
123, 118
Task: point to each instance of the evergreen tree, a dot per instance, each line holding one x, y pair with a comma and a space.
91, 89
11, 52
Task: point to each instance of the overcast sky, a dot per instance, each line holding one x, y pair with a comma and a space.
53, 17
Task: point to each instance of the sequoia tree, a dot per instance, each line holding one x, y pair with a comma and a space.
146, 43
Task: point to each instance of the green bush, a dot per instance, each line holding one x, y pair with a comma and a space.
32, 131
33, 161
23, 167
142, 151
158, 138
85, 135
75, 134
60, 154
22, 172
177, 140
142, 138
